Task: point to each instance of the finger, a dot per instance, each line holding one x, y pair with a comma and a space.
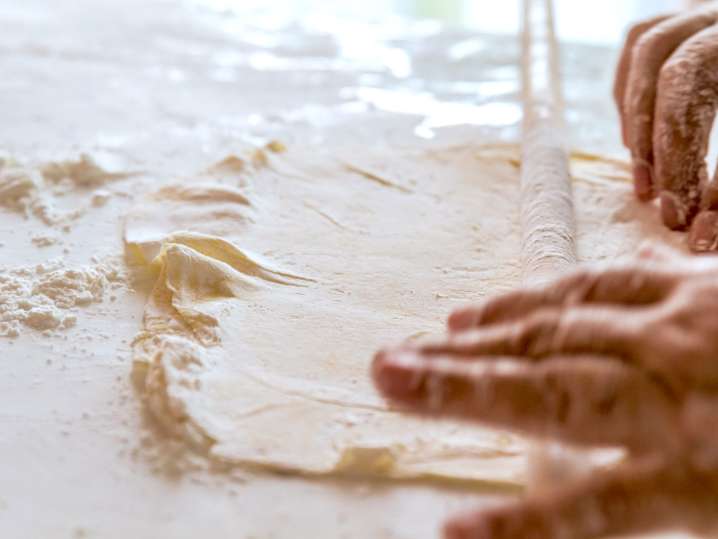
650, 52
646, 497
576, 330
588, 400
703, 236
624, 65
709, 200
630, 285
684, 113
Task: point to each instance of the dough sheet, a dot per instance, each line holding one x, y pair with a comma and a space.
274, 286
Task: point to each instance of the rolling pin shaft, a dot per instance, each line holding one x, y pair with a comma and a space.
547, 221
548, 231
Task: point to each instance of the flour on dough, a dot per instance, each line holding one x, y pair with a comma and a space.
272, 294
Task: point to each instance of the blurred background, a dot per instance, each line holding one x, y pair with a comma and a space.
206, 67
599, 21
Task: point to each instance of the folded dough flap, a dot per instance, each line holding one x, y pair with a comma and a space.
208, 208
196, 274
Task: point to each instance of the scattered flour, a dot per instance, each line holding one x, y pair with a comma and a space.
21, 191
254, 159
44, 297
44, 240
17, 188
85, 172
31, 190
100, 198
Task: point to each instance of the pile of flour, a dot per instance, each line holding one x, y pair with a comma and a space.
44, 297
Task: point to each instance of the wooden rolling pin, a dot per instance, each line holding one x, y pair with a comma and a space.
548, 238
548, 244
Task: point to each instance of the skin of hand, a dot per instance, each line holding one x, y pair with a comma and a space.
666, 90
618, 357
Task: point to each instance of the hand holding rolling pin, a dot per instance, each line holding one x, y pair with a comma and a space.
666, 90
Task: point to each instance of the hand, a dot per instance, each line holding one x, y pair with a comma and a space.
625, 356
666, 89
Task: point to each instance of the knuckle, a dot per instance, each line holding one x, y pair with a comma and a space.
580, 286
537, 335
693, 309
586, 285
674, 70
680, 336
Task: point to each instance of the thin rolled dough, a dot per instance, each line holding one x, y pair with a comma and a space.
274, 287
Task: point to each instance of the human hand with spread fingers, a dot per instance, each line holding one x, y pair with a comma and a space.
624, 356
666, 90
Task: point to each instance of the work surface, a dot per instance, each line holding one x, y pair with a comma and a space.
159, 90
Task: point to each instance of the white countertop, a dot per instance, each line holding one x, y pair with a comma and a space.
165, 87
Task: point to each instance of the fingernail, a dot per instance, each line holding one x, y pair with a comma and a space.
673, 211
643, 181
704, 232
